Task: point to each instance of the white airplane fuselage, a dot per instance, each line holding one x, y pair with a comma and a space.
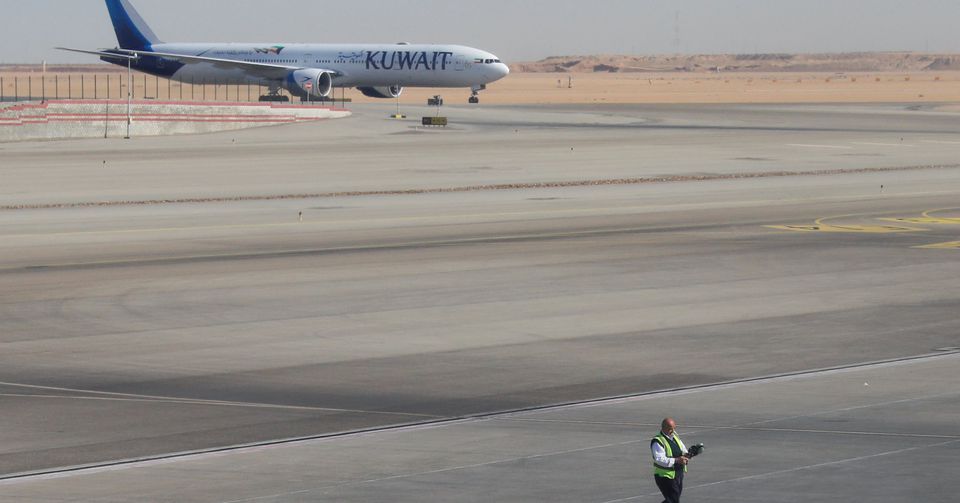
307, 70
354, 65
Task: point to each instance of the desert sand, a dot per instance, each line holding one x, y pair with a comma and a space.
937, 82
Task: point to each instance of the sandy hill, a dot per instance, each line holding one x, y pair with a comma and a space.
843, 62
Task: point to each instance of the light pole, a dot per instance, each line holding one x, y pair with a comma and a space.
129, 91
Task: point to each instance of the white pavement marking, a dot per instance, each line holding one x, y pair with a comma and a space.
829, 463
858, 407
797, 469
228, 451
808, 145
767, 379
107, 395
941, 142
875, 144
444, 470
391, 222
269, 497
701, 428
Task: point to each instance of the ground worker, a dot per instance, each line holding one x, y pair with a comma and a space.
670, 458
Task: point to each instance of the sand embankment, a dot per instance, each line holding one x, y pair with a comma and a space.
876, 62
828, 78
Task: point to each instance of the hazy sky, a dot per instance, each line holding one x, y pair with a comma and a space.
515, 30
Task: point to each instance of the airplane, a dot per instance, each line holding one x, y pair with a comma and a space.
308, 71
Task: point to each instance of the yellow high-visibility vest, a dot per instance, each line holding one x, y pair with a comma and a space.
659, 471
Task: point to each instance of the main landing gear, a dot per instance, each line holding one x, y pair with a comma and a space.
475, 93
273, 95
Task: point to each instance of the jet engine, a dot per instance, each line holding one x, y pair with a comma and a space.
313, 82
382, 92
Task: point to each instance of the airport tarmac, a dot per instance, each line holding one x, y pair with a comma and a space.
171, 295
851, 434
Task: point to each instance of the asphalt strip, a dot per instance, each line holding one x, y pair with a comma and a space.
434, 423
476, 188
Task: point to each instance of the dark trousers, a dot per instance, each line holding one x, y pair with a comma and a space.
671, 488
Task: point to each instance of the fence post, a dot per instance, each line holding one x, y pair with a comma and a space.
106, 111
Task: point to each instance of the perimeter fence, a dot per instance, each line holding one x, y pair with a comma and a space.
113, 86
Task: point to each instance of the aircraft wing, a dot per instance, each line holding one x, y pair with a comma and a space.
99, 53
262, 70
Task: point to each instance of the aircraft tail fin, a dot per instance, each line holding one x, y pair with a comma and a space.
132, 31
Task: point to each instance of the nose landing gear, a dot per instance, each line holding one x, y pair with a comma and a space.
475, 93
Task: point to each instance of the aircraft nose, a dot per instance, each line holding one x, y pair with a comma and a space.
498, 71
